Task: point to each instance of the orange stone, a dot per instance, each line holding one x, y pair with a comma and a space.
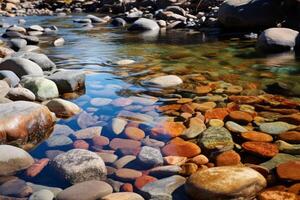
262, 149
188, 169
290, 137
175, 160
100, 140
203, 107
277, 195
292, 119
118, 143
143, 180
80, 144
168, 130
169, 107
245, 99
184, 100
289, 170
240, 117
187, 108
179, 147
126, 187
134, 133
295, 189
37, 167
216, 113
257, 136
199, 160
204, 89
228, 158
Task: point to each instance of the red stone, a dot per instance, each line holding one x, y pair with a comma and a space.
263, 149
257, 136
168, 130
228, 158
289, 171
240, 117
118, 143
37, 167
143, 180
276, 195
216, 113
100, 140
179, 147
80, 144
127, 187
245, 99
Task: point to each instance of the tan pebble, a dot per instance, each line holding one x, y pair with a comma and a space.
199, 160
216, 123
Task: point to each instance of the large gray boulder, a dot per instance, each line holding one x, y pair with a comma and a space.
144, 24
277, 40
78, 165
250, 13
21, 67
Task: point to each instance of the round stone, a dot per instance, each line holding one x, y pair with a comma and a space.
275, 128
125, 174
216, 123
228, 158
100, 140
216, 113
121, 102
262, 149
118, 143
42, 195
234, 127
179, 147
240, 117
188, 169
127, 187
63, 108
257, 136
134, 133
175, 160
277, 195
168, 130
150, 156
80, 144
165, 81
199, 160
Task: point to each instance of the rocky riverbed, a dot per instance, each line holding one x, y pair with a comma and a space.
151, 100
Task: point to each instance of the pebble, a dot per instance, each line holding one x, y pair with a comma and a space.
228, 158
59, 42
143, 180
290, 136
167, 130
58, 141
289, 171
179, 147
240, 117
123, 161
216, 123
127, 187
216, 138
216, 113
123, 196
80, 144
165, 81
125, 62
100, 141
42, 195
276, 128
108, 158
63, 108
256, 136
121, 102
36, 188
188, 169
278, 159
119, 143
199, 160
147, 141
37, 167
276, 195
164, 171
285, 147
150, 156
262, 149
196, 127
175, 160
15, 188
20, 94
88, 133
100, 102
134, 133
127, 175
234, 127
118, 125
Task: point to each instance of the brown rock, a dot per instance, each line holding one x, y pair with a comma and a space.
37, 167
289, 170
175, 160
100, 141
240, 117
188, 169
168, 130
125, 174
80, 144
187, 108
134, 133
127, 187
169, 107
203, 107
179, 147
261, 148
276, 195
228, 158
118, 143
203, 89
216, 113
143, 180
257, 136
290, 137
292, 119
245, 99
199, 160
295, 189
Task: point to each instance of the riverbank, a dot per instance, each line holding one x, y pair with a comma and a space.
143, 112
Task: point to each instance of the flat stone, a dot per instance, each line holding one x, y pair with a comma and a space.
42, 195
179, 147
88, 133
80, 165
41, 59
289, 171
15, 188
37, 167
63, 108
60, 129
275, 194
199, 160
147, 141
36, 188
228, 158
143, 180
188, 169
123, 161
121, 102
278, 159
290, 136
20, 94
143, 100
88, 190
262, 149
10, 77
86, 120
127, 175
175, 160
285, 147
15, 161
224, 182
118, 143
168, 130
100, 101
240, 117
123, 196
196, 127
216, 113
276, 128
100, 141
134, 133
58, 141
81, 144
108, 158
234, 127
150, 156
165, 81
118, 125
257, 136
164, 171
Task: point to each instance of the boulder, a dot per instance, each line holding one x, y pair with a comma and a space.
144, 24
41, 59
20, 94
275, 40
24, 120
17, 43
229, 182
21, 67
250, 13
16, 160
78, 165
150, 156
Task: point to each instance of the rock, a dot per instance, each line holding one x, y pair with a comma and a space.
4, 88
85, 120
122, 162
164, 171
37, 167
43, 88
188, 169
36, 28
228, 158
149, 101
80, 165
179, 147
121, 102
150, 156
290, 136
83, 21
234, 127
119, 22
134, 133
118, 125
239, 14
196, 127
24, 120
60, 129
143, 180
17, 43
216, 113
41, 59
163, 188
10, 77
63, 108
58, 141
199, 160
127, 175
68, 81
262, 149
42, 195
165, 81
216, 138
100, 101
123, 196
289, 171
37, 188
20, 94
278, 159
277, 40
278, 195
21, 67
229, 182
240, 117
108, 158
285, 147
59, 42
5, 52
275, 128
88, 190
100, 141
167, 130
15, 161
80, 144
125, 62
144, 24
147, 141
15, 188
256, 136
88, 133
118, 143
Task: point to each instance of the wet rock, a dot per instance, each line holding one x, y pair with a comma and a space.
122, 162
68, 81
4, 88
10, 77
216, 113
35, 28
88, 133
199, 160
167, 130
21, 67
261, 148
274, 194
216, 138
119, 22
123, 196
63, 108
285, 147
37, 188
88, 190
4, 51
147, 141
37, 167
121, 102
125, 62
24, 120
118, 125
163, 188
234, 127
42, 88
41, 59
127, 175
196, 127
175, 160
81, 144
100, 101
149, 101
60, 129
164, 171
289, 171
20, 94
118, 143
134, 133
86, 120
15, 161
80, 165
275, 128
278, 159
59, 42
228, 158
228, 182
179, 147
238, 14
42, 195
150, 156
277, 40
144, 24
256, 136
127, 187
188, 169
165, 81
17, 43
143, 180
58, 141
15, 188
108, 158
290, 136
240, 117
83, 21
